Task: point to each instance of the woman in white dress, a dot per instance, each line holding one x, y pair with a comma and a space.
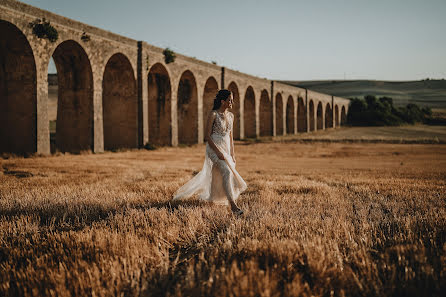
218, 181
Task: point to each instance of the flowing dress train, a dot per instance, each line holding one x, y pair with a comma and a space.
218, 181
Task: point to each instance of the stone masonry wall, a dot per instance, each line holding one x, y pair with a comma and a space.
117, 92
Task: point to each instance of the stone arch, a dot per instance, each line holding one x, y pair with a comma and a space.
279, 115
311, 109
290, 115
337, 115
235, 109
210, 90
52, 103
18, 92
266, 114
343, 116
301, 116
187, 109
319, 116
159, 105
119, 104
328, 116
249, 113
74, 120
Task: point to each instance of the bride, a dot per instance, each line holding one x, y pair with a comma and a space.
218, 181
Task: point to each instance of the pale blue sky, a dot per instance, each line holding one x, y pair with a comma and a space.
284, 39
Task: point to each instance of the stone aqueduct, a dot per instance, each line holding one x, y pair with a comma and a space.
117, 92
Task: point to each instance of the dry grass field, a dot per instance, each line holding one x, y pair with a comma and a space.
386, 134
321, 219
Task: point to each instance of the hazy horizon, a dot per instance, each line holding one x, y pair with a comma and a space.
284, 40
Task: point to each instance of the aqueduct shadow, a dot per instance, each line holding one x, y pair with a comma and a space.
235, 109
328, 116
311, 111
187, 109
301, 116
279, 115
290, 115
337, 115
18, 92
266, 114
159, 105
210, 90
119, 104
343, 116
74, 122
319, 114
249, 110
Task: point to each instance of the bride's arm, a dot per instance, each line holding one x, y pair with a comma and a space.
208, 138
232, 141
232, 148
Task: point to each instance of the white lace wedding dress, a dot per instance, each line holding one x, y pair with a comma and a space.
218, 180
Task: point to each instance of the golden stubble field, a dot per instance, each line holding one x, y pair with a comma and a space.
320, 219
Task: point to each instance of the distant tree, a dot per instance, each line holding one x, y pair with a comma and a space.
386, 100
357, 108
427, 111
371, 111
412, 113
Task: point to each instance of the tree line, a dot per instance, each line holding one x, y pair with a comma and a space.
373, 111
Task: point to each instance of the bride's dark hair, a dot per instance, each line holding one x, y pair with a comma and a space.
223, 94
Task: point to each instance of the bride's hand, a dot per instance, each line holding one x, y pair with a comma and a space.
233, 159
220, 156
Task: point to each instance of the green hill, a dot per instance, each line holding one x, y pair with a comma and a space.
430, 93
